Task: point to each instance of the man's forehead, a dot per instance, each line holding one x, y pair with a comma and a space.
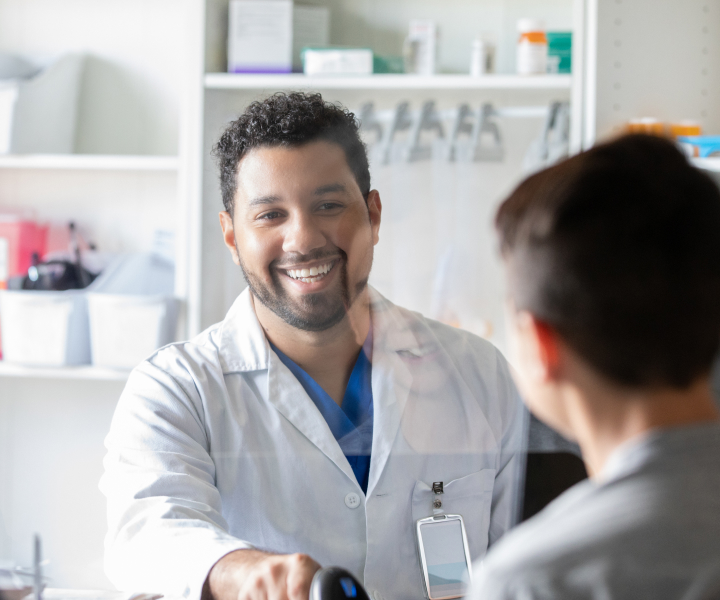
282, 155
317, 168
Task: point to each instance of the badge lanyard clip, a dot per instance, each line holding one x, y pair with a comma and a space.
437, 488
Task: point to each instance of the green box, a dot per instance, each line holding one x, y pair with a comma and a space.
559, 51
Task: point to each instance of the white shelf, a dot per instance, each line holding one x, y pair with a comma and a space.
231, 81
89, 162
86, 372
708, 164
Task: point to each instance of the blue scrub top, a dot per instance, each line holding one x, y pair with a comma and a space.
351, 423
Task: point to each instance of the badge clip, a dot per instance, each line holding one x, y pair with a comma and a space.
437, 488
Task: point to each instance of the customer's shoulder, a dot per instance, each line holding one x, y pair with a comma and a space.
585, 540
535, 554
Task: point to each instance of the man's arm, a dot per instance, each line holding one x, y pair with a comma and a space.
256, 575
166, 528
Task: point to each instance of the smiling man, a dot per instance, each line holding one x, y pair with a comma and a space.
309, 426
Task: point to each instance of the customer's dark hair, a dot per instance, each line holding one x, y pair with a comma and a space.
289, 120
618, 249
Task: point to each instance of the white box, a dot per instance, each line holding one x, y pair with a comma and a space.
44, 328
337, 61
311, 27
126, 329
38, 115
260, 36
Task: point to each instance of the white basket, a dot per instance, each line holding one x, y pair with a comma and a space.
44, 328
126, 329
38, 115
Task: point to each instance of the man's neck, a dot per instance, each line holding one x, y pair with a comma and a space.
327, 356
605, 416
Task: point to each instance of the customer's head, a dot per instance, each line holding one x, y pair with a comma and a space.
617, 251
289, 120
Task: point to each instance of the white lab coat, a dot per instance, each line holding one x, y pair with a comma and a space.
216, 446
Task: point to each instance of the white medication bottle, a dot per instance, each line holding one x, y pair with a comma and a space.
532, 48
482, 57
420, 50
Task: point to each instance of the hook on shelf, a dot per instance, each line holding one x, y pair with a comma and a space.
484, 141
428, 119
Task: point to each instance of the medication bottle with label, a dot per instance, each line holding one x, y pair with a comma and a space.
532, 48
482, 57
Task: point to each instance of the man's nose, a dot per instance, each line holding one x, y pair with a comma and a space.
303, 235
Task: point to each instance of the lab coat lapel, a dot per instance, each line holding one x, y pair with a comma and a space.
244, 347
391, 379
289, 397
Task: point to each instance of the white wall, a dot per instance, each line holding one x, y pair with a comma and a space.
51, 449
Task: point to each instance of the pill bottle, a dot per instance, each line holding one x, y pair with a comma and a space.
646, 125
532, 48
482, 57
682, 128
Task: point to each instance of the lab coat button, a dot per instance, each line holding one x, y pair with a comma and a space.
352, 500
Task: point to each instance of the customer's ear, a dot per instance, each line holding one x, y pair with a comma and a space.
538, 348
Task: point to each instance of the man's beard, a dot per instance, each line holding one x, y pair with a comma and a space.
311, 312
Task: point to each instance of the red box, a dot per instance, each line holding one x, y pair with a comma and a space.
24, 238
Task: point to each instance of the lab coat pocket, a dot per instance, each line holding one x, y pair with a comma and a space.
470, 497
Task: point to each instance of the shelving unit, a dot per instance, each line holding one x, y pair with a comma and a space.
89, 162
228, 81
383, 27
88, 373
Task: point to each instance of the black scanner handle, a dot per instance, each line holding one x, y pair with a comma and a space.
334, 583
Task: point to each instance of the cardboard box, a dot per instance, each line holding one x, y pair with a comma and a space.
337, 61
260, 36
311, 27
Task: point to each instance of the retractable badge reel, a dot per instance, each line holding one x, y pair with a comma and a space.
443, 551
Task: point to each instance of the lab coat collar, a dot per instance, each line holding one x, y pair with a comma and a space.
396, 332
244, 347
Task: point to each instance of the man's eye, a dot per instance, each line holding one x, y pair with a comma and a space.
330, 205
269, 216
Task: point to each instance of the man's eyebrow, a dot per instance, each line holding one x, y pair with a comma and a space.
329, 189
264, 200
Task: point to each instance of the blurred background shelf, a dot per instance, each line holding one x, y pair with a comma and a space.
86, 372
89, 162
231, 81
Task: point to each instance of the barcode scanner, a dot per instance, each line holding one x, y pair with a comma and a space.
334, 583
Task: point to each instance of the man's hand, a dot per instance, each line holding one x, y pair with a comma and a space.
255, 575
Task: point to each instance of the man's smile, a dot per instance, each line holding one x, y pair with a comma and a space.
311, 274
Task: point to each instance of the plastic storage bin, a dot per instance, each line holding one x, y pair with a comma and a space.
38, 115
126, 329
45, 328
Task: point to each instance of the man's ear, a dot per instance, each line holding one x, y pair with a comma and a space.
375, 211
540, 347
228, 230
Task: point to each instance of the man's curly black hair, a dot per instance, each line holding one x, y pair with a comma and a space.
289, 120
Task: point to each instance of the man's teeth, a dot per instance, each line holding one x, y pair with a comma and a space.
310, 275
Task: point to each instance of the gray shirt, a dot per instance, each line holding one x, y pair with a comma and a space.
648, 528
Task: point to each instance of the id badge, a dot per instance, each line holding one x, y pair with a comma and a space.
444, 556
